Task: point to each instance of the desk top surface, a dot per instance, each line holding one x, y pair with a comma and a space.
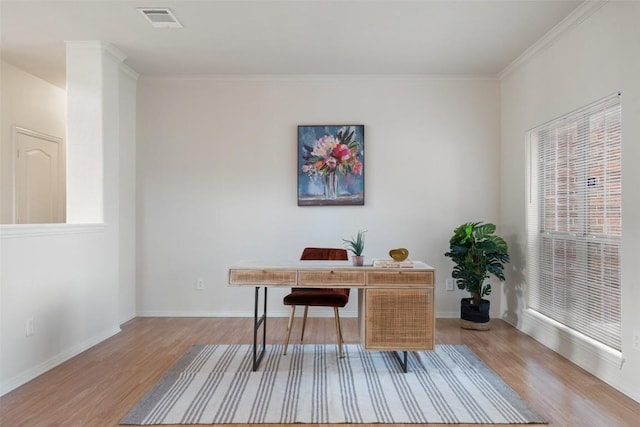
324, 265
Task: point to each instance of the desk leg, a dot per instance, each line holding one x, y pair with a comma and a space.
403, 363
256, 325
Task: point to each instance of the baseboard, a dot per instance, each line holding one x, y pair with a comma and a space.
447, 314
275, 313
47, 365
129, 318
555, 336
456, 315
593, 357
281, 313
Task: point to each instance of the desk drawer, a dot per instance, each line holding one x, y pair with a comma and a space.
332, 277
258, 277
406, 278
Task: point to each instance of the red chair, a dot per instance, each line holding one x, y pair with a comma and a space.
318, 297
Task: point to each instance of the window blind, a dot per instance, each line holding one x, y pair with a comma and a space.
575, 220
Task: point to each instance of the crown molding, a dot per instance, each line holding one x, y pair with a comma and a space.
129, 71
114, 53
110, 50
579, 15
321, 77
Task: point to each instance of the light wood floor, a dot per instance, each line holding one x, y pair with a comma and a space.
101, 385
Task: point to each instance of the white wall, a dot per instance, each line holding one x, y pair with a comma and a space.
75, 281
596, 58
216, 176
127, 195
62, 277
31, 103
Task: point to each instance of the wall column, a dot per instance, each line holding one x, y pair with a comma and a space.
92, 109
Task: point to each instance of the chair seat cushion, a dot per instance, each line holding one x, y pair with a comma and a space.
317, 297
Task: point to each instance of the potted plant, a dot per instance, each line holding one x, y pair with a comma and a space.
356, 247
477, 253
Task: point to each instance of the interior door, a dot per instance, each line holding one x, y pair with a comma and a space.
38, 179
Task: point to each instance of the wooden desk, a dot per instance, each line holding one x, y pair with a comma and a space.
395, 305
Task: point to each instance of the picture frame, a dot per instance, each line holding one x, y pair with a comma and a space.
330, 165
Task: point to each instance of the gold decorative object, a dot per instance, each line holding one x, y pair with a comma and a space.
399, 254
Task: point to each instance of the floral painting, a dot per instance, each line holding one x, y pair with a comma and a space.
331, 165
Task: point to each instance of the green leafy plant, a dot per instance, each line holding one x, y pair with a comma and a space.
355, 245
477, 253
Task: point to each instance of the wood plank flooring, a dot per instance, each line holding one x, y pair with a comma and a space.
101, 385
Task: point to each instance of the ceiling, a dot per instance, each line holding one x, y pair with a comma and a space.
295, 37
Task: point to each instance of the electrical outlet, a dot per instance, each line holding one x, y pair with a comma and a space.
636, 340
449, 284
30, 327
200, 284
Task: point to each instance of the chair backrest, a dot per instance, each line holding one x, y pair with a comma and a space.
324, 254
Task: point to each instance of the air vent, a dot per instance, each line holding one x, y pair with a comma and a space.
160, 18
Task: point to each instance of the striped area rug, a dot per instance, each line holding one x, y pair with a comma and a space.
214, 384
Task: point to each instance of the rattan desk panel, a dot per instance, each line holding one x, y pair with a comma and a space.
331, 277
404, 278
398, 319
263, 277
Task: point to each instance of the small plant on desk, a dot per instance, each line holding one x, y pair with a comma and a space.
356, 247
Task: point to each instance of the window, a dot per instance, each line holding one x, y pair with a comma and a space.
575, 221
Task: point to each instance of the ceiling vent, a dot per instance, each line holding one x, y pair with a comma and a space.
160, 18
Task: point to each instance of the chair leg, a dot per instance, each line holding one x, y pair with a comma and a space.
338, 332
286, 344
304, 321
